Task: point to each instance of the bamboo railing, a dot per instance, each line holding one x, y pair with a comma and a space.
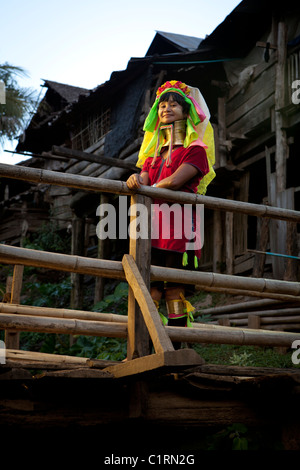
143, 320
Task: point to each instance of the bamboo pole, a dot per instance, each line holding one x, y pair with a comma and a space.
114, 269
201, 334
61, 313
61, 262
62, 326
266, 320
229, 335
86, 183
244, 306
225, 280
262, 313
250, 293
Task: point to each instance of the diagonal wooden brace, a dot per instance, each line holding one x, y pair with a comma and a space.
160, 338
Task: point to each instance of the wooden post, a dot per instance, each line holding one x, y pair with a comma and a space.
78, 231
218, 242
224, 321
253, 321
229, 240
102, 245
281, 139
12, 339
222, 151
262, 244
138, 337
291, 270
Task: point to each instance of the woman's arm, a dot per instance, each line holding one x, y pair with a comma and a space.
183, 174
134, 181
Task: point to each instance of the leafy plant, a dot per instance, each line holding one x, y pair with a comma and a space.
234, 437
241, 359
20, 103
48, 238
113, 349
115, 302
48, 294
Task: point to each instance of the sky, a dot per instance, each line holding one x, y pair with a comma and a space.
81, 43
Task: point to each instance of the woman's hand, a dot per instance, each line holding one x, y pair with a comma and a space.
134, 181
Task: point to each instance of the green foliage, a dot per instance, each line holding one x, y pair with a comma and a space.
115, 302
48, 238
48, 294
57, 295
241, 359
237, 436
246, 356
113, 349
20, 103
231, 438
204, 318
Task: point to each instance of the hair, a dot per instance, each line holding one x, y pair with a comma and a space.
173, 96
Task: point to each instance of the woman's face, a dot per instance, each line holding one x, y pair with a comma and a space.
170, 111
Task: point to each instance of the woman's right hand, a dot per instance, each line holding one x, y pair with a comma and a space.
134, 181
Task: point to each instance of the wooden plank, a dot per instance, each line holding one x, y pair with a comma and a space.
42, 361
181, 358
161, 341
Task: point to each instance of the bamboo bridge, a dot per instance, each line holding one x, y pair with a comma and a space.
160, 385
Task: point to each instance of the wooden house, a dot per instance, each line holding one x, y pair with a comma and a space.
247, 75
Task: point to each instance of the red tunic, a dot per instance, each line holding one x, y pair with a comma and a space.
174, 225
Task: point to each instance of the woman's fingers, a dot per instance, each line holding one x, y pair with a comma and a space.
133, 181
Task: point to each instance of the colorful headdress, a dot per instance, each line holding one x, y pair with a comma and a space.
198, 128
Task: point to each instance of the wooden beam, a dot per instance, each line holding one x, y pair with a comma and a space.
161, 341
265, 45
42, 361
89, 157
181, 358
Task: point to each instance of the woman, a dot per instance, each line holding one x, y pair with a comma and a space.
173, 156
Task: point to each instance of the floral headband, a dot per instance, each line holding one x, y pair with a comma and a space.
196, 113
